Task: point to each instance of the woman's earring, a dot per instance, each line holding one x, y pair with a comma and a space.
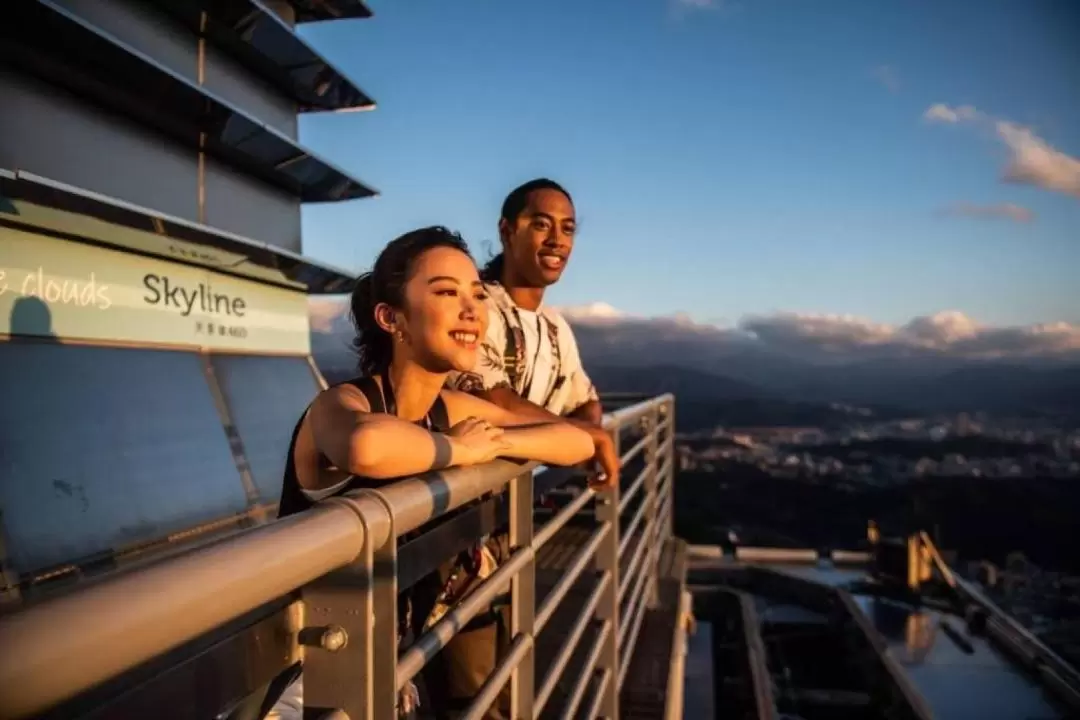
399, 336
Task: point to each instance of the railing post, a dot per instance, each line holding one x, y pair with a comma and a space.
668, 411
350, 635
607, 561
652, 506
522, 596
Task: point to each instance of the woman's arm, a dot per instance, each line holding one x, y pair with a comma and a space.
554, 441
381, 446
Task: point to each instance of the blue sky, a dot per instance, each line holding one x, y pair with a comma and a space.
725, 159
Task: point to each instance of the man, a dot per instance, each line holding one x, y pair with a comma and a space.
529, 361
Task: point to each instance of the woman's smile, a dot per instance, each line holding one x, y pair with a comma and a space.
465, 338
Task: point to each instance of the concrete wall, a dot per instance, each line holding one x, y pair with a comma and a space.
176, 48
241, 89
48, 132
246, 207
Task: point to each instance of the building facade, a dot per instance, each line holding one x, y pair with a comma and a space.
154, 338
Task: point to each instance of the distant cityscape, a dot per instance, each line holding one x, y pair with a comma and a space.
1044, 601
883, 453
881, 463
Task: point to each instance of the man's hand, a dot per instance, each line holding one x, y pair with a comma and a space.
605, 463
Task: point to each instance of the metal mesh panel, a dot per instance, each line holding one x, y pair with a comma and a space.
266, 396
102, 448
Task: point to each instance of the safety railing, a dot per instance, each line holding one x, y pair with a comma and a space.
343, 555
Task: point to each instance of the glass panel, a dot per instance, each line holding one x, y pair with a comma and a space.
106, 447
255, 141
278, 43
309, 10
266, 396
307, 171
267, 149
236, 129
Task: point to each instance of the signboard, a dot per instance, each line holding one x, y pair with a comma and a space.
69, 290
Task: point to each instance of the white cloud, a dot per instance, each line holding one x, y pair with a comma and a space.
943, 113
828, 332
999, 211
950, 332
837, 337
605, 330
1032, 161
940, 329
592, 311
327, 311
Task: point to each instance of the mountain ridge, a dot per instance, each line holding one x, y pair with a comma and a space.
691, 363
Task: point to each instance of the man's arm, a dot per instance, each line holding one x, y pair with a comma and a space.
556, 440
584, 402
585, 417
583, 399
505, 397
590, 412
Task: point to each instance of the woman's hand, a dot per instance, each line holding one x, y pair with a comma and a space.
476, 441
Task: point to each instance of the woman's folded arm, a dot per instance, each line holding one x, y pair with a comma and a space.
375, 445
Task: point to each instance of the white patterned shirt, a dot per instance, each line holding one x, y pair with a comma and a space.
533, 353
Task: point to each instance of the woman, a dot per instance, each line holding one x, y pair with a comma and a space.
419, 314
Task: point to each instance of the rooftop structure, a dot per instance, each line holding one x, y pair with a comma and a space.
890, 632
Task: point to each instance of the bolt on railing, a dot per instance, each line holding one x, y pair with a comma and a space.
343, 554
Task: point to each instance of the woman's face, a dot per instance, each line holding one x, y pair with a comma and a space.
444, 316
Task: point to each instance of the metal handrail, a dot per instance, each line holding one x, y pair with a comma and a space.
59, 648
568, 647
655, 528
583, 679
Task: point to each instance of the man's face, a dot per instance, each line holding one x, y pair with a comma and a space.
538, 242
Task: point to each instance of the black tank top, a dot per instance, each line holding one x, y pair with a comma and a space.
415, 603
293, 499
